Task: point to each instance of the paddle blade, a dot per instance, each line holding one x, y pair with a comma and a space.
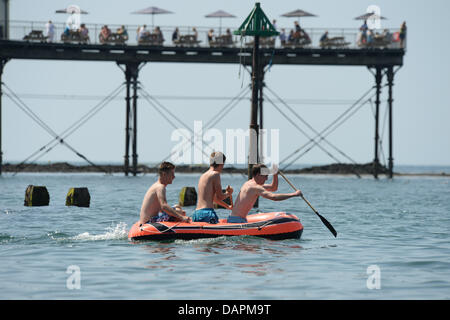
327, 224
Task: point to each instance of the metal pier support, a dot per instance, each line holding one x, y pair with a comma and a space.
2, 65
126, 165
131, 78
261, 118
390, 77
255, 139
378, 77
254, 128
135, 97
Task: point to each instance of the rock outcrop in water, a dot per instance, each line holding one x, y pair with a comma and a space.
344, 168
360, 169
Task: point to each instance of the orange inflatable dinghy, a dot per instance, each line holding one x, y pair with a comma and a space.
272, 225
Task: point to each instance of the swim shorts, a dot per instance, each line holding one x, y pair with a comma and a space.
236, 219
205, 215
161, 217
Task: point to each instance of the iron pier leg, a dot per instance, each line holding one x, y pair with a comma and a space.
131, 78
261, 100
390, 77
253, 155
254, 129
135, 97
2, 64
127, 123
376, 161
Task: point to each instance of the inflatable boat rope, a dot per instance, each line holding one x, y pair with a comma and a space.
265, 224
145, 229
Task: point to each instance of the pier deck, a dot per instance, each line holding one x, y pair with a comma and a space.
371, 57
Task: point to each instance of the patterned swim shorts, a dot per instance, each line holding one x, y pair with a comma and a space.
161, 217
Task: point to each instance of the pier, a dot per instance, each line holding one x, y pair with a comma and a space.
383, 59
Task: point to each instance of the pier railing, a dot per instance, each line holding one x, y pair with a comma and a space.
37, 31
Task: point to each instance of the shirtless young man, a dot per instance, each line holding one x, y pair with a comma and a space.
154, 206
210, 190
252, 189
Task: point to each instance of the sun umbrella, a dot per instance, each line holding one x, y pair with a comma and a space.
297, 14
152, 11
220, 14
71, 10
372, 17
74, 21
369, 15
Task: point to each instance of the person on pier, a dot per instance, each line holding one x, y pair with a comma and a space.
50, 31
324, 39
105, 33
402, 34
84, 33
363, 30
210, 191
122, 33
195, 32
228, 37
283, 37
154, 206
254, 188
211, 35
143, 33
175, 35
291, 37
159, 35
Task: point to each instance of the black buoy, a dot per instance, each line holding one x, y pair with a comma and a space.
36, 196
188, 197
79, 197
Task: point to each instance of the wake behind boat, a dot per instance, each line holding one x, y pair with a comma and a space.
272, 225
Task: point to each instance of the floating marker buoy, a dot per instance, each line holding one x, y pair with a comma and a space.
36, 196
79, 197
188, 197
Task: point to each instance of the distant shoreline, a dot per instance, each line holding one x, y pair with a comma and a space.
337, 169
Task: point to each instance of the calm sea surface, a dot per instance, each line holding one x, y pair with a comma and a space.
393, 235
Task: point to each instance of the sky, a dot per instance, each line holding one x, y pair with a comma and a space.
421, 101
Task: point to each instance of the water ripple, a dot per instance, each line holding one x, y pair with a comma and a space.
382, 223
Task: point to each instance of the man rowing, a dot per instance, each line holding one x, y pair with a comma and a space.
154, 206
254, 188
210, 190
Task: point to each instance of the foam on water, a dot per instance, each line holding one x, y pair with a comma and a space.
117, 232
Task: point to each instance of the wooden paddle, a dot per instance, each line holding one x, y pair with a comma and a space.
231, 201
324, 221
223, 203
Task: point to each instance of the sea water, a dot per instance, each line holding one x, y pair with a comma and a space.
393, 243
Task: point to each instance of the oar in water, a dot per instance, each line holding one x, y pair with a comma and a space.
324, 221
